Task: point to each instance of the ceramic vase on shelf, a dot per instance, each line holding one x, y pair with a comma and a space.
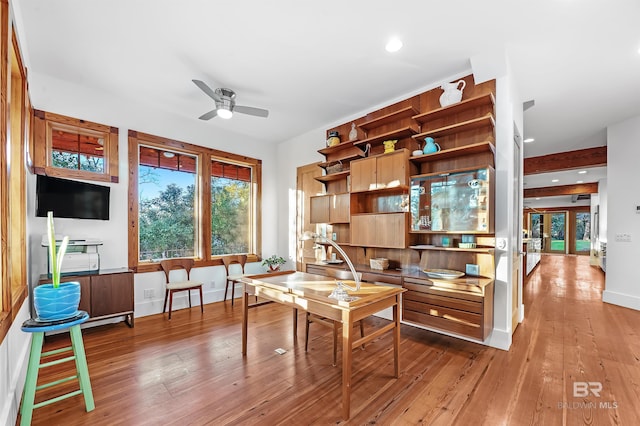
353, 134
452, 93
430, 146
333, 139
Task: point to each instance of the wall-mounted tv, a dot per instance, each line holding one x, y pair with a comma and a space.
72, 199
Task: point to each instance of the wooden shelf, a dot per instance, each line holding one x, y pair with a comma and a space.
333, 176
344, 159
476, 148
482, 233
400, 189
464, 126
332, 149
488, 250
396, 134
487, 99
377, 213
388, 118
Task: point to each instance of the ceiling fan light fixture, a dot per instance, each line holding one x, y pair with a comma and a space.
224, 113
393, 45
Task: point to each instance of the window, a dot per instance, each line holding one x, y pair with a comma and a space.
190, 201
231, 208
73, 148
167, 184
15, 111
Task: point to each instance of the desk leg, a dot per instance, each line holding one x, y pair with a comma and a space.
245, 320
396, 336
347, 352
295, 324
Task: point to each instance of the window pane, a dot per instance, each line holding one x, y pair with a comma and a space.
230, 208
77, 151
583, 231
167, 224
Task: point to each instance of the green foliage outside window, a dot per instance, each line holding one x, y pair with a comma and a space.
69, 160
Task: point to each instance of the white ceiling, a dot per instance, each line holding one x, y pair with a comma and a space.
313, 64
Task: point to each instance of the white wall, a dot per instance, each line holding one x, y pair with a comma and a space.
67, 99
623, 150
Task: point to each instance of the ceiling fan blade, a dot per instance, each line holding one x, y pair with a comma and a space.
206, 89
258, 112
209, 115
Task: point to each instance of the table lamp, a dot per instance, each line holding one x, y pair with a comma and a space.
340, 292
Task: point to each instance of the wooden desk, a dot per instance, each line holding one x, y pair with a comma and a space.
310, 292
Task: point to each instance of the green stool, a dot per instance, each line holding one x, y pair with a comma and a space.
38, 328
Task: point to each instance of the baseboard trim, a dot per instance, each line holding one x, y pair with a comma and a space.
621, 299
499, 339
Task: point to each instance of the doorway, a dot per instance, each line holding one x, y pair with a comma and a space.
551, 229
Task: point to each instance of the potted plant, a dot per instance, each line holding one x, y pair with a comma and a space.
273, 262
57, 300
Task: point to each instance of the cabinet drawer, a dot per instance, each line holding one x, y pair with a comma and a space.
446, 291
443, 301
464, 328
316, 269
381, 278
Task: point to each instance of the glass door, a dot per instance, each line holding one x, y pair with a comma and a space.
583, 232
551, 228
558, 233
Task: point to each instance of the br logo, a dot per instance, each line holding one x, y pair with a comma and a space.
582, 389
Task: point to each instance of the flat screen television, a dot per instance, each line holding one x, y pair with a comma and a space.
71, 199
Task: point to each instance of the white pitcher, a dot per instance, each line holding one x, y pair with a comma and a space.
451, 94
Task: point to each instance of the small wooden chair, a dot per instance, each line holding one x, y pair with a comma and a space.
335, 325
173, 287
237, 259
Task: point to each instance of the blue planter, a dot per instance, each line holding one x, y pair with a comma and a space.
52, 304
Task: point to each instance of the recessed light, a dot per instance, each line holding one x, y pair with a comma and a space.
527, 140
393, 45
579, 181
555, 180
168, 154
582, 172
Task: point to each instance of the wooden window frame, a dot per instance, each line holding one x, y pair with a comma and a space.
205, 156
15, 112
45, 122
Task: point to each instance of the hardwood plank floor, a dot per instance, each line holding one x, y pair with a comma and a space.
190, 371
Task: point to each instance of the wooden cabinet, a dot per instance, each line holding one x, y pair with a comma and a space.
416, 210
387, 230
106, 294
463, 306
381, 171
330, 208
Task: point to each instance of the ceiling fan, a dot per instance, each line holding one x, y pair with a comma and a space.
226, 103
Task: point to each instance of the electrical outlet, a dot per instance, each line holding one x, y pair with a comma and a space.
623, 237
148, 293
213, 284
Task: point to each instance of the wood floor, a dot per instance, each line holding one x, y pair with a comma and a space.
189, 371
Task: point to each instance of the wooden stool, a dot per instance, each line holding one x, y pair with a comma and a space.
38, 328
